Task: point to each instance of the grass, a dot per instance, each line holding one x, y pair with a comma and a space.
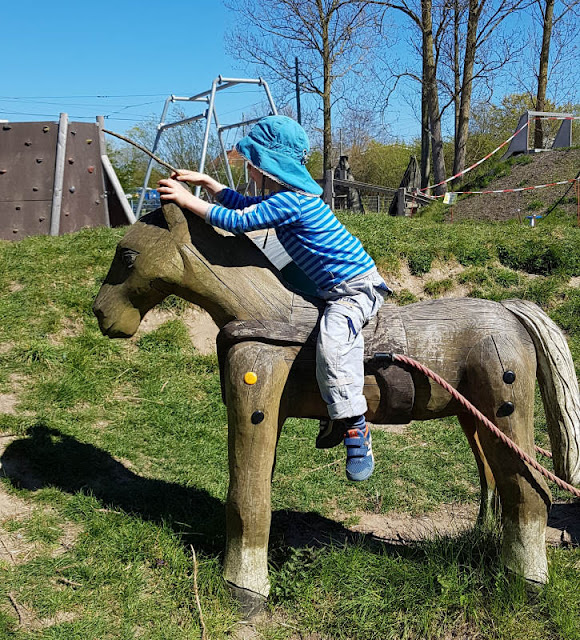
118, 453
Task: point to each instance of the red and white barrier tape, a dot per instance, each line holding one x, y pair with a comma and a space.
461, 173
538, 186
503, 144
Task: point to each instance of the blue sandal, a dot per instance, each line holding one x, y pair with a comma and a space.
360, 462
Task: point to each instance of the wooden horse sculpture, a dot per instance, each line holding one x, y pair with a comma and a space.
488, 351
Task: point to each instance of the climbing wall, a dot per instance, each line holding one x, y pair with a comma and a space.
32, 172
27, 154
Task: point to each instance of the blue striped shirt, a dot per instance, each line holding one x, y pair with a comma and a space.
306, 227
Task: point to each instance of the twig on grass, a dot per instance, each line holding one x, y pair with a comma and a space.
70, 583
18, 609
7, 549
309, 471
196, 592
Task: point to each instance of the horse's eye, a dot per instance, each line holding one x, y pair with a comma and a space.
128, 257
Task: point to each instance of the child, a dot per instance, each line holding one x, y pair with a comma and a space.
276, 149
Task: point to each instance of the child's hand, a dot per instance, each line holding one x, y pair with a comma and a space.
190, 176
173, 191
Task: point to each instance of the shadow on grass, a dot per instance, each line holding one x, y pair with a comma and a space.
50, 458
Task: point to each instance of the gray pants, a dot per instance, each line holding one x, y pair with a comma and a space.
340, 347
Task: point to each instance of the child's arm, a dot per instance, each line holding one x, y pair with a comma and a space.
173, 191
224, 195
269, 213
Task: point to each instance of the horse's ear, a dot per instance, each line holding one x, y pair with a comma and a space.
176, 221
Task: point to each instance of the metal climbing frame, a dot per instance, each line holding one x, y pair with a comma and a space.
207, 97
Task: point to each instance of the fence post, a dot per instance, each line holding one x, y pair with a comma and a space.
328, 191
401, 195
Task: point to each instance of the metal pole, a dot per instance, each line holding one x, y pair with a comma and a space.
224, 152
206, 134
264, 84
298, 110
150, 165
58, 175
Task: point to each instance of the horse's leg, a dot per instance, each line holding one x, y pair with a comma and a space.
254, 419
524, 494
489, 507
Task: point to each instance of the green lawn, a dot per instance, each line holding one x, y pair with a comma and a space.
118, 451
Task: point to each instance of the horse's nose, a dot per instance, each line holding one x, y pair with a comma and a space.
124, 325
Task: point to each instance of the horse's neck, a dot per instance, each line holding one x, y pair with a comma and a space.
233, 280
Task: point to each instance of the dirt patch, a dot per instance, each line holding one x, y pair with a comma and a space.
201, 328
545, 168
9, 401
439, 271
404, 528
29, 621
452, 519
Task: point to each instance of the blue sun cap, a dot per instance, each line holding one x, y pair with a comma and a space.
278, 146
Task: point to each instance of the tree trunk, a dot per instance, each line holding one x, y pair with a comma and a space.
430, 82
467, 85
425, 135
543, 71
456, 73
326, 100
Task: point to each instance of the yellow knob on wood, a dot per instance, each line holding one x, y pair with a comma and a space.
250, 377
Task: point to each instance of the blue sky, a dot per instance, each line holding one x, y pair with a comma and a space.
118, 59
121, 60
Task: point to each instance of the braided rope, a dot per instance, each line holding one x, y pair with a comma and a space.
485, 421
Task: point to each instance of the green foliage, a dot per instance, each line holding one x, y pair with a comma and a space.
382, 164
437, 287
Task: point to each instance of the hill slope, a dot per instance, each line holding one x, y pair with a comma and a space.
521, 171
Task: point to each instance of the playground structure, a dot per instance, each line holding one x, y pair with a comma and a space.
55, 178
521, 142
490, 350
210, 114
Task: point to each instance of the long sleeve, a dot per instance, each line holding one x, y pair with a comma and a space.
231, 199
273, 211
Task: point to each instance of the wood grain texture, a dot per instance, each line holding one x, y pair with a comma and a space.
270, 329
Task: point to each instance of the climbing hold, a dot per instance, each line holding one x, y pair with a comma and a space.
28, 143
257, 417
18, 207
506, 409
35, 188
250, 377
46, 129
2, 172
38, 160
71, 161
509, 377
72, 189
89, 141
91, 169
6, 127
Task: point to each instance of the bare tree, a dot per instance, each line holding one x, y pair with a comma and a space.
566, 27
331, 38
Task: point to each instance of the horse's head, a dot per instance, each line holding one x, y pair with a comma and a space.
146, 268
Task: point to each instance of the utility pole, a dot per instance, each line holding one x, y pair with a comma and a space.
298, 110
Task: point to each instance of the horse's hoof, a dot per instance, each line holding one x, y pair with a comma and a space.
251, 603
